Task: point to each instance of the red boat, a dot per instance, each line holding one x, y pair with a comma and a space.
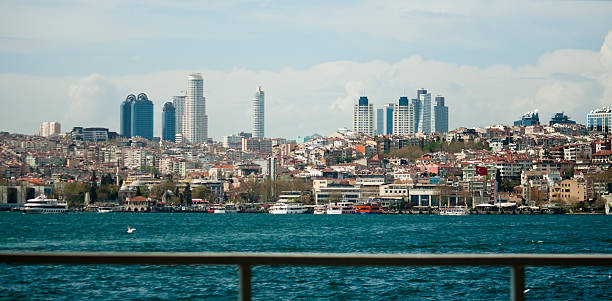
368, 209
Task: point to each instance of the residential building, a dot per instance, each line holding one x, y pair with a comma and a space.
600, 120
169, 122
440, 116
363, 117
195, 120
568, 192
50, 128
232, 141
258, 114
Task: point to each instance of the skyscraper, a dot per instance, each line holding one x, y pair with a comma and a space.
388, 118
195, 120
379, 122
142, 117
440, 115
126, 116
258, 114
169, 122
179, 107
424, 111
403, 117
363, 116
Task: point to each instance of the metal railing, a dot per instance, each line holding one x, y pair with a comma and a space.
517, 262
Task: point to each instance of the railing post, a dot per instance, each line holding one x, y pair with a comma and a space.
245, 282
517, 287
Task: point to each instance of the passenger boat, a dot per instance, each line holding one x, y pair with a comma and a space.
320, 209
287, 208
41, 204
227, 208
457, 210
341, 208
368, 209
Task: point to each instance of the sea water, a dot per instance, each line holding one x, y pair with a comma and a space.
378, 234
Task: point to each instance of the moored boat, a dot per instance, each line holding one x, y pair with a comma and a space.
320, 209
41, 204
369, 208
457, 210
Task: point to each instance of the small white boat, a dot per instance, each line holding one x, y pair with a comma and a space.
457, 210
287, 208
130, 230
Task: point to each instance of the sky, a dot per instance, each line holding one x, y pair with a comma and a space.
76, 61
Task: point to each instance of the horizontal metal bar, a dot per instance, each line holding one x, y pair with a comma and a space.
306, 259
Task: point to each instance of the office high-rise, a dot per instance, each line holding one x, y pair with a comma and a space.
388, 118
363, 116
169, 122
440, 115
424, 119
142, 117
380, 130
600, 120
195, 120
125, 128
403, 117
258, 114
179, 107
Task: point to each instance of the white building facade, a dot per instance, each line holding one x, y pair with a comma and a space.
258, 114
363, 117
195, 120
403, 117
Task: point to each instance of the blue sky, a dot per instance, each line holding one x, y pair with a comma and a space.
313, 58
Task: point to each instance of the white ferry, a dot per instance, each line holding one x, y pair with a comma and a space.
320, 209
341, 208
227, 208
287, 204
457, 210
41, 204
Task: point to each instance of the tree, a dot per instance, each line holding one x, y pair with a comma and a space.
74, 193
188, 194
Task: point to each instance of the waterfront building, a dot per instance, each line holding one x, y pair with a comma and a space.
50, 128
142, 117
125, 128
195, 120
560, 118
440, 121
600, 120
169, 122
424, 112
179, 109
403, 117
258, 114
363, 117
529, 118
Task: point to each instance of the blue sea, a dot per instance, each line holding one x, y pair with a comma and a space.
379, 234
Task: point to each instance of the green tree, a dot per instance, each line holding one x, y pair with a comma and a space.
74, 193
93, 189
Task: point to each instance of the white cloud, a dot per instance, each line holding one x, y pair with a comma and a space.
320, 98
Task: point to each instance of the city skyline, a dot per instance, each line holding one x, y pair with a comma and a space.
565, 67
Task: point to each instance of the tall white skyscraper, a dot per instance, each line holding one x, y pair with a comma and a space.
195, 120
363, 117
258, 114
403, 117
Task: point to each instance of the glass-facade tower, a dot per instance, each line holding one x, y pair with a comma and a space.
169, 122
440, 115
125, 127
142, 117
258, 114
